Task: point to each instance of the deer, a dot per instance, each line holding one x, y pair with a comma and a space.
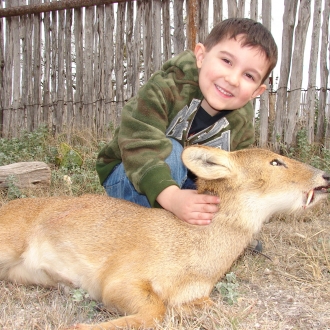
141, 260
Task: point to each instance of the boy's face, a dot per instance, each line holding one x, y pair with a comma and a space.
230, 75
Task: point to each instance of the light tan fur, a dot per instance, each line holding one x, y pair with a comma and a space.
142, 260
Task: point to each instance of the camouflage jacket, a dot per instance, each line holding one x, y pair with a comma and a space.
165, 107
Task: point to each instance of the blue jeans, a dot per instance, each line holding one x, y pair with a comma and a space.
118, 185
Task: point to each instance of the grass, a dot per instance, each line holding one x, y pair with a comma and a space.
290, 291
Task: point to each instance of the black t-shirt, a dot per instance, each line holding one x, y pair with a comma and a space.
201, 121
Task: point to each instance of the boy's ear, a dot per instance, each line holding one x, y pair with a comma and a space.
259, 91
199, 53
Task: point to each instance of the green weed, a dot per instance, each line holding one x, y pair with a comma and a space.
228, 289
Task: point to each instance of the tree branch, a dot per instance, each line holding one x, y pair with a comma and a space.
53, 6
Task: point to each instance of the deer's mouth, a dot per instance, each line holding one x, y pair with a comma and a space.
314, 193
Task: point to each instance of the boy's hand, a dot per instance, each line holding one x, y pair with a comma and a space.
188, 205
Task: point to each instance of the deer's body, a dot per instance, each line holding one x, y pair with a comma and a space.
142, 260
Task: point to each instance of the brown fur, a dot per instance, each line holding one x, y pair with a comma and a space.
142, 260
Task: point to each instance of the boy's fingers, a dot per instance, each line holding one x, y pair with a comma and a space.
209, 199
200, 222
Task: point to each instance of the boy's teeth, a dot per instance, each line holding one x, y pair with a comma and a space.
223, 91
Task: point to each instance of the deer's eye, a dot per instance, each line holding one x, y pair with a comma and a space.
276, 162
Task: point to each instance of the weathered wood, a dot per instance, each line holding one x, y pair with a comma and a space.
254, 9
2, 64
193, 8
99, 68
68, 70
178, 35
53, 6
156, 35
293, 105
54, 67
25, 175
241, 8
16, 112
88, 82
119, 59
264, 98
147, 40
79, 67
324, 74
167, 53
203, 30
232, 8
137, 48
8, 64
46, 77
217, 11
60, 111
311, 87
289, 18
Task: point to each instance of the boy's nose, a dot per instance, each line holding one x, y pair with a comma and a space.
232, 79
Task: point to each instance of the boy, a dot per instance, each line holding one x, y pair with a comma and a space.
199, 97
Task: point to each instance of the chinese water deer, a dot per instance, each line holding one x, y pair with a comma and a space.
141, 260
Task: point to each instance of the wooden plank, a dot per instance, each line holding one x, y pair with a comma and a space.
60, 108
88, 81
68, 70
232, 8
217, 11
8, 66
241, 8
147, 40
54, 67
193, 21
109, 61
313, 60
254, 9
293, 104
119, 63
36, 69
178, 33
2, 64
167, 52
324, 74
79, 68
131, 75
156, 35
203, 21
289, 18
264, 98
46, 97
99, 70
137, 60
16, 94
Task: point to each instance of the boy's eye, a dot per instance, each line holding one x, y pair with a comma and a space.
249, 76
226, 60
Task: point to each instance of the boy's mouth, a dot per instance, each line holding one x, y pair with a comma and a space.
223, 91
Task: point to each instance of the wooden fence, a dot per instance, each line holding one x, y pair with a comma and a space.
72, 64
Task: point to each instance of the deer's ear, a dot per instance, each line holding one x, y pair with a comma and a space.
207, 163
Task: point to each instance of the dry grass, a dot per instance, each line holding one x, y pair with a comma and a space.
290, 291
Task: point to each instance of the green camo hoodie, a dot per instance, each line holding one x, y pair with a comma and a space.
165, 107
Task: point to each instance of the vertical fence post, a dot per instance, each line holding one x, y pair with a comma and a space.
193, 21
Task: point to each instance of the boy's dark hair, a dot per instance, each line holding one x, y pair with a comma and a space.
253, 33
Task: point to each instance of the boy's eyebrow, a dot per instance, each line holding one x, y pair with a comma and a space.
224, 52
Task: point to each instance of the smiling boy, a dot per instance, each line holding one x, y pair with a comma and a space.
200, 97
